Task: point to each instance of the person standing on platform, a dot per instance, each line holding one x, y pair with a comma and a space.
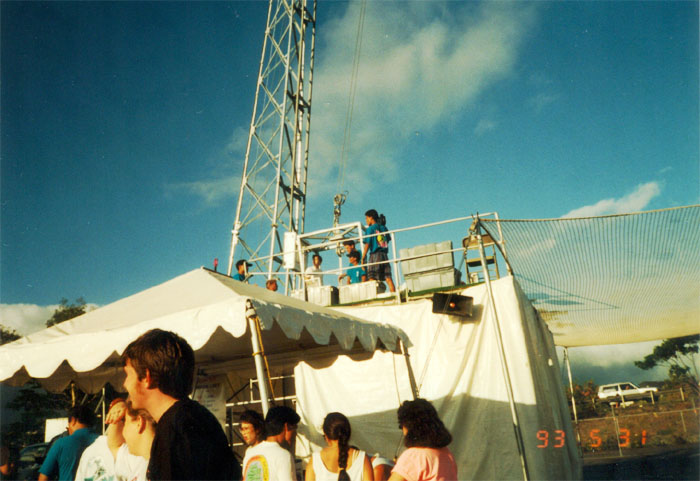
377, 245
242, 268
314, 273
356, 273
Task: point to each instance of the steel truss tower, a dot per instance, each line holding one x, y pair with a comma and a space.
272, 198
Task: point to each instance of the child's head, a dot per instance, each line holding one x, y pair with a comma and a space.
317, 260
354, 257
138, 426
349, 246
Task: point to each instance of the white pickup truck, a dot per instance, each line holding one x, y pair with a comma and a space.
625, 391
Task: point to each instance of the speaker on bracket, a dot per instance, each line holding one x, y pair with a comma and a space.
453, 304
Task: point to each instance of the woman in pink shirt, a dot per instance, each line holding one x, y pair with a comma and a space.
426, 437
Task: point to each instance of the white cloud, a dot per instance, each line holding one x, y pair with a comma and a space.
25, 318
632, 202
422, 64
211, 191
542, 100
29, 318
484, 125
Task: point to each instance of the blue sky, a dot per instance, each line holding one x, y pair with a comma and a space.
124, 124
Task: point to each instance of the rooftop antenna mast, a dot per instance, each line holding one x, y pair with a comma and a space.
272, 197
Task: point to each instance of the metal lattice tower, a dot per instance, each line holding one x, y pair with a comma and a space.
273, 186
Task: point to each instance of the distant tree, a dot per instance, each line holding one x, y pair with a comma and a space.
66, 311
33, 403
678, 355
8, 334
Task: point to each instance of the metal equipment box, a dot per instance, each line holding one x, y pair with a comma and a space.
428, 262
445, 277
322, 295
361, 291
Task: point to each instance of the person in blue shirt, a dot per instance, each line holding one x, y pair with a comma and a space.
242, 268
64, 455
355, 274
377, 246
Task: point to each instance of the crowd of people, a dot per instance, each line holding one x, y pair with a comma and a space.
371, 264
159, 433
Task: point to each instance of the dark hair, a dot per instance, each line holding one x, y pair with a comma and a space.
83, 414
255, 419
372, 214
349, 243
167, 357
317, 255
337, 428
277, 417
241, 261
354, 255
424, 427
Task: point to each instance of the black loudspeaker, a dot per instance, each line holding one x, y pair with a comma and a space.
452, 304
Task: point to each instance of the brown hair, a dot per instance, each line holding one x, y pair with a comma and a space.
167, 357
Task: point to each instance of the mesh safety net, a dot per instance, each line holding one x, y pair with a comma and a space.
609, 280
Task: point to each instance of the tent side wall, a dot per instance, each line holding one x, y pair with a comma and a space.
458, 368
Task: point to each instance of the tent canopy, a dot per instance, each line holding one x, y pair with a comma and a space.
209, 311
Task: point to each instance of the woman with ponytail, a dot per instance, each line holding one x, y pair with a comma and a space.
339, 461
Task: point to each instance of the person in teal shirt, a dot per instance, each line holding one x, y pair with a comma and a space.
242, 268
376, 245
64, 455
355, 274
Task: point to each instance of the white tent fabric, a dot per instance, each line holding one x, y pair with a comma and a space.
208, 310
457, 366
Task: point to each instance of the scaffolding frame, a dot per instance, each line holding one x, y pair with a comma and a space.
273, 185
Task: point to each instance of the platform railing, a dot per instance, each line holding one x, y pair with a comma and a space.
331, 239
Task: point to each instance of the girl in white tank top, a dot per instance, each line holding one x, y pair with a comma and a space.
339, 461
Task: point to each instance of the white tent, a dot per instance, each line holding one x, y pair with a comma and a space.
456, 362
458, 368
212, 312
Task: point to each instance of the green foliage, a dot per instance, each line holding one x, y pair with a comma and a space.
8, 334
586, 396
33, 403
678, 355
67, 311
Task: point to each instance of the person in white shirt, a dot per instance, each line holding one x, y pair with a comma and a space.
272, 459
314, 275
122, 454
339, 461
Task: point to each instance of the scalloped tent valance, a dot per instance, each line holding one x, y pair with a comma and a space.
204, 307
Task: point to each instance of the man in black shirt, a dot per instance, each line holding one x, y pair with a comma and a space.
189, 442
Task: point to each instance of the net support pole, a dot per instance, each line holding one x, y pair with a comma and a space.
571, 382
251, 315
501, 352
411, 377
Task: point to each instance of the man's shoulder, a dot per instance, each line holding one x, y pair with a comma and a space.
267, 447
189, 417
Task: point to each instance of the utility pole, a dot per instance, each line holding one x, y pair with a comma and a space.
272, 198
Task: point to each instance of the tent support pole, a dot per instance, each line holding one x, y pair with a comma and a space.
411, 377
251, 315
501, 351
571, 383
